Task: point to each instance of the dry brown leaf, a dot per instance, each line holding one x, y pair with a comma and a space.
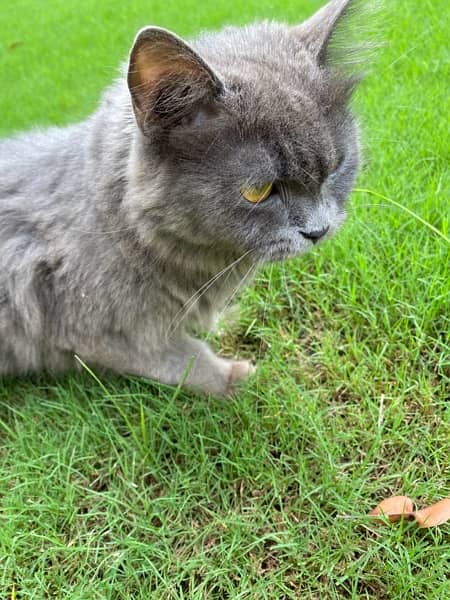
433, 515
397, 507
394, 508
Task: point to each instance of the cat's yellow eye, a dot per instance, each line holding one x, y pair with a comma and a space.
256, 194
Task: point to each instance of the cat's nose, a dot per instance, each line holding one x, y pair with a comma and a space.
315, 235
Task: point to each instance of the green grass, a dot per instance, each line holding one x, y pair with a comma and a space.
130, 490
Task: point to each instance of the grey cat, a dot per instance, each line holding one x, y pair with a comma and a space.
122, 235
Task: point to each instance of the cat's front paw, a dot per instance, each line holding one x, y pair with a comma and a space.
239, 370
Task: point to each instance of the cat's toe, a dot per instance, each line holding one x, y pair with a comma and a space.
240, 369
224, 379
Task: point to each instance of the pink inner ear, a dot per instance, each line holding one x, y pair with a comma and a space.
167, 80
153, 63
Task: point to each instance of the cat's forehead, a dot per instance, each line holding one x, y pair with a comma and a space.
269, 75
234, 44
265, 52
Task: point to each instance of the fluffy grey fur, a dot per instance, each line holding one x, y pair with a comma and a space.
123, 234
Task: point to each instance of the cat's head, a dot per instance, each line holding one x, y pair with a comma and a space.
247, 134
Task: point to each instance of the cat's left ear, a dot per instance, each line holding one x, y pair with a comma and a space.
330, 35
168, 81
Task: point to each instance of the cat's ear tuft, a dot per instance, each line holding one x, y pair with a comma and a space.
340, 33
168, 81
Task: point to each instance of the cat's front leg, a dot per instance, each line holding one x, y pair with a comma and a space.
185, 360
193, 362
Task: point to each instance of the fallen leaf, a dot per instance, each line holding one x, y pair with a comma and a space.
433, 515
394, 508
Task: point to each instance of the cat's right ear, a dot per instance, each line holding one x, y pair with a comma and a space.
168, 81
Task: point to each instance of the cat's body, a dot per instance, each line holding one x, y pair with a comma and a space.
112, 229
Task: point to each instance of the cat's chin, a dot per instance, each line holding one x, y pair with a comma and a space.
279, 252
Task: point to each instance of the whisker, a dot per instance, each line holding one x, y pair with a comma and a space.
107, 232
236, 290
371, 205
190, 303
310, 176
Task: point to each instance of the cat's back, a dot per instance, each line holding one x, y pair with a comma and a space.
30, 161
39, 180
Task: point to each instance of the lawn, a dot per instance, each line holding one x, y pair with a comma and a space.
124, 489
